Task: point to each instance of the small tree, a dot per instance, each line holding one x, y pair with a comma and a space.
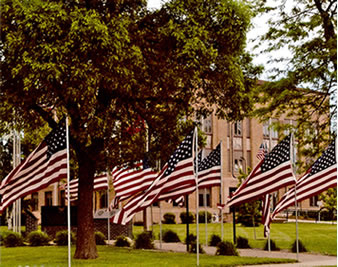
249, 213
329, 199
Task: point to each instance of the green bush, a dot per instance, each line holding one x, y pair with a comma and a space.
38, 238
170, 236
61, 238
226, 248
12, 239
193, 248
273, 245
192, 238
99, 238
201, 217
301, 247
122, 241
144, 240
169, 218
242, 242
187, 219
214, 240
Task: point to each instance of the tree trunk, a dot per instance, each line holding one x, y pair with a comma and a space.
85, 240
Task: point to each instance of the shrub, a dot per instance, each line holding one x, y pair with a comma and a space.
190, 218
273, 245
122, 241
144, 240
201, 217
13, 240
38, 238
301, 247
242, 242
61, 238
169, 218
193, 248
170, 236
99, 238
192, 238
214, 240
226, 248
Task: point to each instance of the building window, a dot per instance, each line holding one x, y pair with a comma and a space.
266, 130
201, 197
238, 128
314, 201
238, 164
207, 125
48, 198
35, 201
103, 199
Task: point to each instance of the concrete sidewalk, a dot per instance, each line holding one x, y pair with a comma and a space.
305, 259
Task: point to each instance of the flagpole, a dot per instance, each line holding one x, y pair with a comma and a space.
160, 225
187, 218
269, 240
222, 230
68, 196
197, 197
296, 210
205, 216
108, 220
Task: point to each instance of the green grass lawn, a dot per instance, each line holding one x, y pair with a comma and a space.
317, 238
53, 256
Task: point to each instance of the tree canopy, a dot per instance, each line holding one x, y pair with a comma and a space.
113, 67
303, 84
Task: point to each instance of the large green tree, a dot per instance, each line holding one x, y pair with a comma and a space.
307, 30
112, 65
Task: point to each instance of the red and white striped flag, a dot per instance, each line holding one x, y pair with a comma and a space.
100, 183
128, 182
44, 166
266, 213
320, 177
209, 170
261, 152
178, 173
270, 174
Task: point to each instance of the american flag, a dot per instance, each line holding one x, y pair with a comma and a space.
209, 170
270, 174
320, 177
100, 183
177, 174
44, 166
129, 181
266, 213
261, 152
